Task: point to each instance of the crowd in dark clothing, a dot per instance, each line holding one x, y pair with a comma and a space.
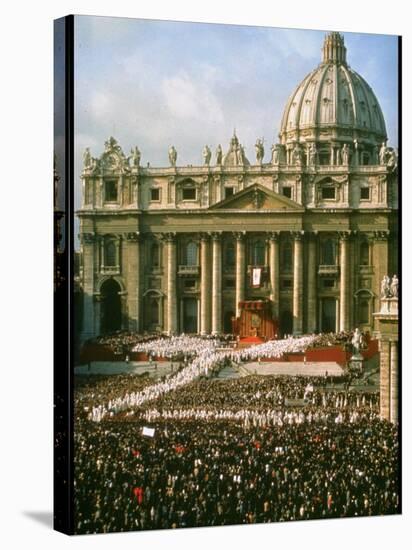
199, 473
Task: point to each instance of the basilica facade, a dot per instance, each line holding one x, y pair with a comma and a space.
310, 234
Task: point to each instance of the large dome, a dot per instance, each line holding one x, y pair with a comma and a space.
333, 102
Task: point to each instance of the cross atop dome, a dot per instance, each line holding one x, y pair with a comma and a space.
334, 50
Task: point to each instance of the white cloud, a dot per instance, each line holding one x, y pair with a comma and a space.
186, 98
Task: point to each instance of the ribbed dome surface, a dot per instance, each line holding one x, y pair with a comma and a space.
333, 95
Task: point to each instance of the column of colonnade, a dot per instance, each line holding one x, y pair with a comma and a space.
171, 311
298, 284
344, 315
305, 276
274, 272
216, 283
204, 284
240, 270
133, 280
312, 284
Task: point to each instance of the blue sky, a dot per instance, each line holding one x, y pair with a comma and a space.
157, 83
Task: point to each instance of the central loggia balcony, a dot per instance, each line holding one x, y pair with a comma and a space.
188, 270
328, 270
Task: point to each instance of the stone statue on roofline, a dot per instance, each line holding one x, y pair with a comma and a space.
297, 155
219, 155
383, 154
207, 154
392, 160
135, 156
275, 154
386, 287
172, 155
313, 154
87, 158
395, 286
345, 154
260, 151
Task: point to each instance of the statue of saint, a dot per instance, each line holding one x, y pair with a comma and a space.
219, 155
356, 341
338, 158
297, 155
172, 155
392, 160
135, 156
345, 154
394, 286
275, 153
207, 153
87, 158
260, 151
313, 153
386, 287
382, 154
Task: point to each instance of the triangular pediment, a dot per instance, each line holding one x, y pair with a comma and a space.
257, 197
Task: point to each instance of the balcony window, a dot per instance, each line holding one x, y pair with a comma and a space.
286, 284
328, 251
258, 253
111, 191
110, 259
155, 255
191, 254
190, 284
364, 253
286, 257
230, 256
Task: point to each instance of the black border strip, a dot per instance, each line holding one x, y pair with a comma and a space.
400, 181
63, 279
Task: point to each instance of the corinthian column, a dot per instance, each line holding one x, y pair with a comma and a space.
133, 280
312, 282
298, 284
171, 310
204, 285
344, 282
89, 329
240, 270
274, 273
216, 284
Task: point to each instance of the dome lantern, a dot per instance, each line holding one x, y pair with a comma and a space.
334, 50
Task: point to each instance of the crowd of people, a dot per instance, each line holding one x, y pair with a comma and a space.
195, 450
203, 357
194, 473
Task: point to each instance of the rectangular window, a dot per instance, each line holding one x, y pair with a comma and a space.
189, 194
229, 283
328, 193
287, 192
189, 284
286, 284
328, 283
364, 193
110, 191
229, 192
155, 194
